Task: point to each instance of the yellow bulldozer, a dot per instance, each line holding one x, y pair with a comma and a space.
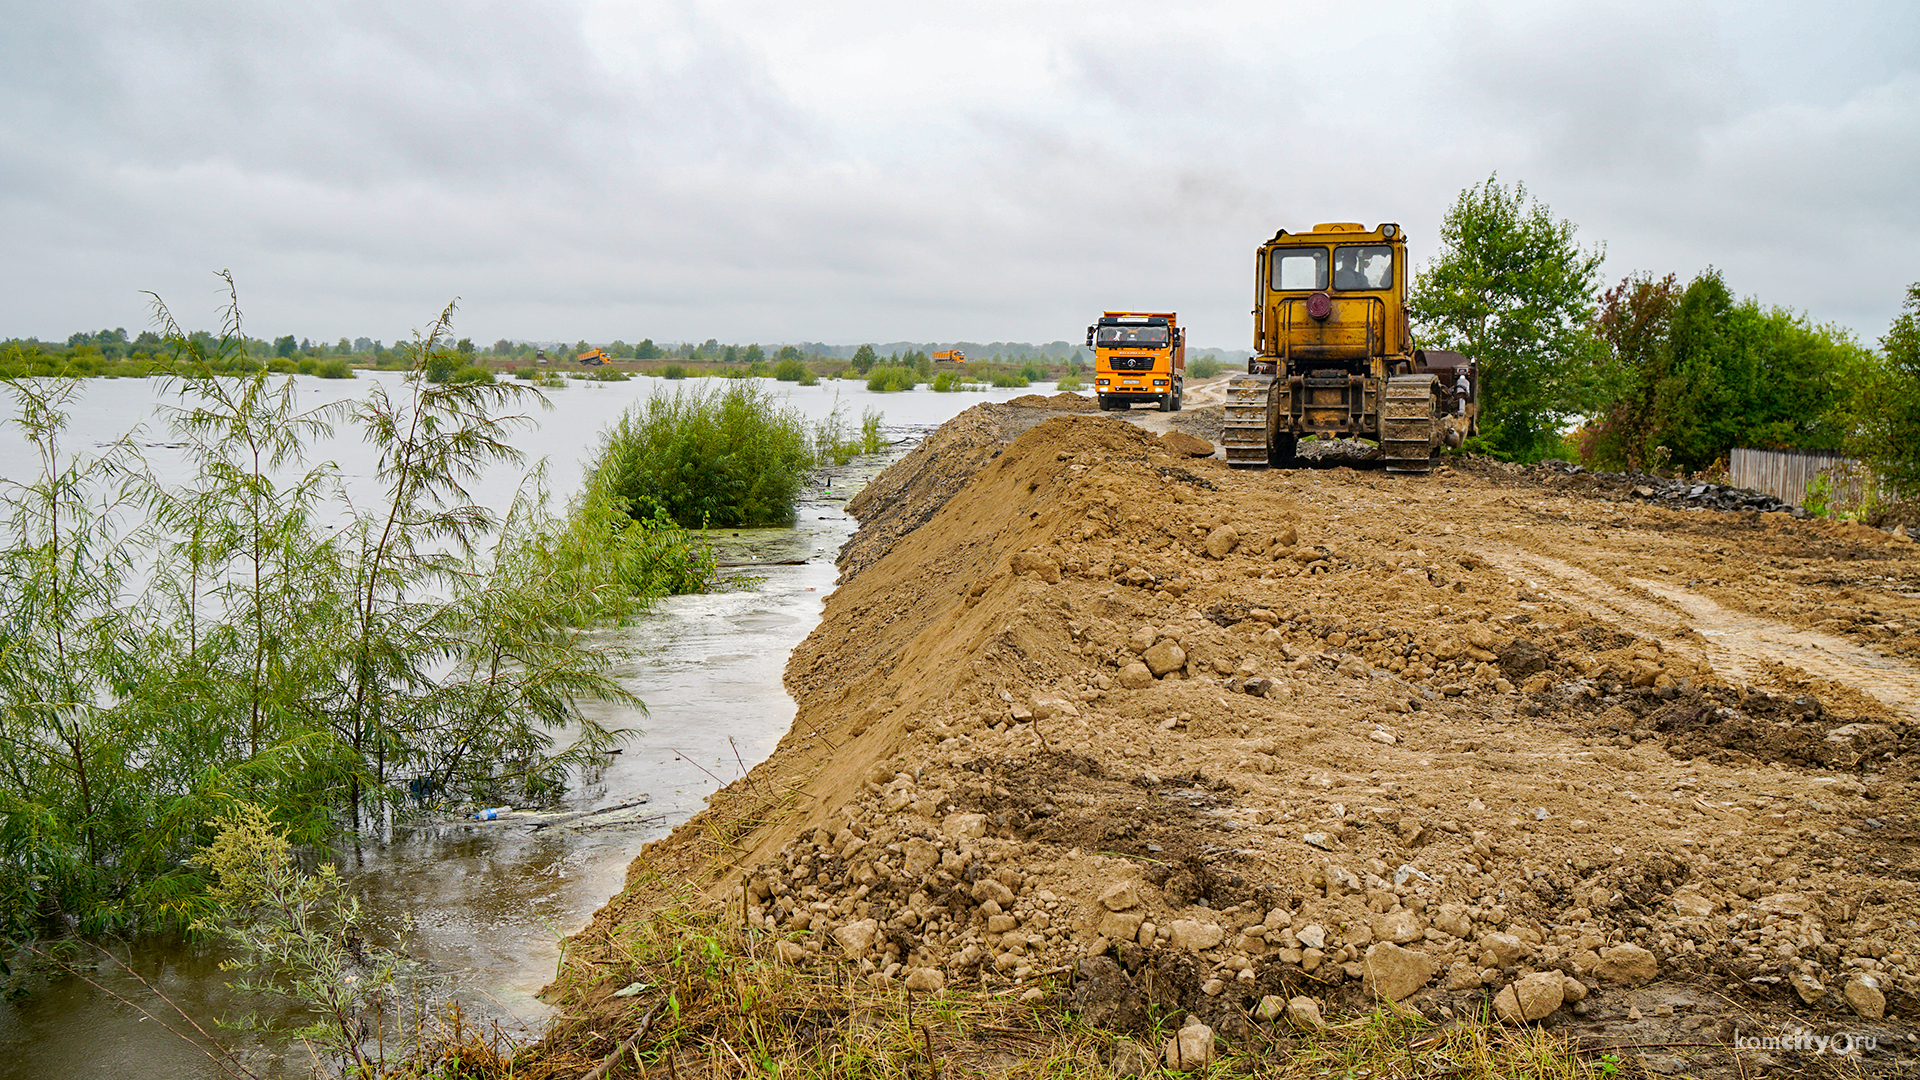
1334, 357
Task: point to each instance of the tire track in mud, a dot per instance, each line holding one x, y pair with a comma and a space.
1738, 643
1735, 644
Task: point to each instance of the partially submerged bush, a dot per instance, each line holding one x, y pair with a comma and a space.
789, 370
726, 457
674, 371
890, 377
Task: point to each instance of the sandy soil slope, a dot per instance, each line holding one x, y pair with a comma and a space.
1118, 727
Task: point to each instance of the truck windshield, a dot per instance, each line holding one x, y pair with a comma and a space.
1368, 267
1132, 337
1300, 269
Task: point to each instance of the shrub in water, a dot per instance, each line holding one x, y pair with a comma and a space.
1069, 382
789, 370
336, 368
674, 371
726, 457
890, 377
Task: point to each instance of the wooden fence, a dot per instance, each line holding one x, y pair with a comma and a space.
1790, 474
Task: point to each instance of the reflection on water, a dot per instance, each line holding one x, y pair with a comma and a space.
487, 904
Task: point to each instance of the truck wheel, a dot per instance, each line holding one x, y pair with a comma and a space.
1166, 402
1179, 398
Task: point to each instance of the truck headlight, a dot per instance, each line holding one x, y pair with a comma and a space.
1101, 382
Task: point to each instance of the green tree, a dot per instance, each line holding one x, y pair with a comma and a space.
647, 350
863, 358
1701, 373
1635, 321
753, 354
285, 346
1889, 431
1512, 289
465, 348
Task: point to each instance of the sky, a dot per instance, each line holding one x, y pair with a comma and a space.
847, 172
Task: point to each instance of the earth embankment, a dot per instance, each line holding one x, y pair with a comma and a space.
1119, 728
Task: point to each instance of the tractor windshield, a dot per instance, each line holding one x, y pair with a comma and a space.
1132, 337
1368, 267
1300, 269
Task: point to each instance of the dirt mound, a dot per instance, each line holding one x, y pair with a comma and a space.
1193, 737
1202, 423
1064, 401
904, 497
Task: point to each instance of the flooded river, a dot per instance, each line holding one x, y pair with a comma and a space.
485, 906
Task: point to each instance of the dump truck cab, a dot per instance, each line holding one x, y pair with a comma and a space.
1138, 356
950, 356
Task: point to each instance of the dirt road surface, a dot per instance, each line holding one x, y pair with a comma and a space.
1117, 728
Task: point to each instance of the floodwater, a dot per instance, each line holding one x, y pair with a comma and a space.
485, 906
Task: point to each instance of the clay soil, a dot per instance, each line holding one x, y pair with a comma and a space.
1130, 733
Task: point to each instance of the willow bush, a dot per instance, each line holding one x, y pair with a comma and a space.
169, 651
723, 457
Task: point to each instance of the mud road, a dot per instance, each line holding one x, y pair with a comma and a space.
1114, 727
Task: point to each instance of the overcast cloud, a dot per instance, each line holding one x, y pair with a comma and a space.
850, 172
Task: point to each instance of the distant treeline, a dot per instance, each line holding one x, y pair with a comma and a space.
113, 352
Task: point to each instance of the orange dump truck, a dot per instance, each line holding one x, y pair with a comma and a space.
594, 356
951, 356
1138, 356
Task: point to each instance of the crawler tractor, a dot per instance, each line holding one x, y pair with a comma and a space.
1334, 358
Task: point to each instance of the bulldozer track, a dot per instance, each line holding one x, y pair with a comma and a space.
1243, 427
1409, 423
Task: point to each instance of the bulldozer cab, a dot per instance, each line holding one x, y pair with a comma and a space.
1332, 298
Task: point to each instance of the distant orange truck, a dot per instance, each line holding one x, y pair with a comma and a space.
951, 356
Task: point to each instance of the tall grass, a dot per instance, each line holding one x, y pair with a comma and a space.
724, 457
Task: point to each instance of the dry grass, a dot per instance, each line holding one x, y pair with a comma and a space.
717, 1004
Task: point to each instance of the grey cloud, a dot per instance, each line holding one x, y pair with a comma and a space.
674, 170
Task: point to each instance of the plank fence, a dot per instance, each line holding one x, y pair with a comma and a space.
1790, 474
